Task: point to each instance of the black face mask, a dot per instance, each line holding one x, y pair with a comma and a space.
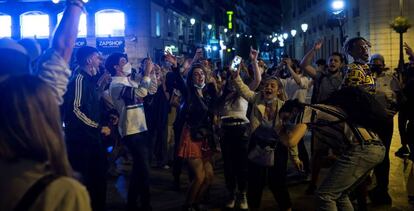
376, 68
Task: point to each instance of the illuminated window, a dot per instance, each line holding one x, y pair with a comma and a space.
110, 23
5, 23
82, 30
34, 24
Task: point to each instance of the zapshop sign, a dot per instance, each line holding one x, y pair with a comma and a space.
110, 44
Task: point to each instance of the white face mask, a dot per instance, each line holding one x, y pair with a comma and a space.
201, 86
94, 71
127, 69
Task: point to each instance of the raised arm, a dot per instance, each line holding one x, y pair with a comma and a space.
257, 74
306, 62
53, 65
67, 31
242, 88
408, 50
295, 76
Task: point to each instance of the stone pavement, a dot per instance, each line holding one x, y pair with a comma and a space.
164, 198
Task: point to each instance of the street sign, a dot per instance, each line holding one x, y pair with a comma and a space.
108, 45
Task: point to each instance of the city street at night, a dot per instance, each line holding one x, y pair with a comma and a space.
206, 105
165, 198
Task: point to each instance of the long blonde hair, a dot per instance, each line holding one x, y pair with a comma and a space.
30, 126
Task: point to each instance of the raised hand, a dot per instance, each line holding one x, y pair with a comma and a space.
318, 44
408, 50
171, 58
253, 54
198, 55
288, 62
149, 67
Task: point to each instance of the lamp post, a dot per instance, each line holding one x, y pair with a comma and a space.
293, 33
304, 28
338, 18
401, 25
192, 34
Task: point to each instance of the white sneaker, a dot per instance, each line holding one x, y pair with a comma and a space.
243, 205
230, 204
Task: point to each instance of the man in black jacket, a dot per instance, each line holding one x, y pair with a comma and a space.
83, 128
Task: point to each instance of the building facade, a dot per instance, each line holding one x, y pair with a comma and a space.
139, 28
367, 18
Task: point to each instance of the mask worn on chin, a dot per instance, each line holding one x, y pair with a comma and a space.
127, 69
94, 71
201, 86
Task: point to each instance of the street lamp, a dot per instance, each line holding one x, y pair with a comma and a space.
192, 21
337, 6
293, 33
225, 30
285, 36
237, 35
304, 27
209, 26
338, 18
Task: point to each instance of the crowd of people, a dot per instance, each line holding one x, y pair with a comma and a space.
57, 122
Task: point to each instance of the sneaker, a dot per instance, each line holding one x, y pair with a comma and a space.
243, 205
166, 167
402, 152
231, 203
379, 197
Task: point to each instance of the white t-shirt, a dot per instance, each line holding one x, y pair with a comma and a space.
294, 91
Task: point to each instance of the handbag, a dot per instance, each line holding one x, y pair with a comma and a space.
262, 156
199, 133
266, 139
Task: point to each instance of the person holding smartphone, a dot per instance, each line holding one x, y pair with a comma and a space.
234, 142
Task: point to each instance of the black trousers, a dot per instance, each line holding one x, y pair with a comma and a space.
274, 177
382, 170
234, 146
87, 156
139, 185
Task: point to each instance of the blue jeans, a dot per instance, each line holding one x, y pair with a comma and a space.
349, 169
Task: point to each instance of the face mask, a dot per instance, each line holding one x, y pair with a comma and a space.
376, 68
201, 86
182, 69
127, 69
94, 71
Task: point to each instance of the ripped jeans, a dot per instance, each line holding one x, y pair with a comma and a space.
346, 173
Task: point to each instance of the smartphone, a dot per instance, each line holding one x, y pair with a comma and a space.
235, 63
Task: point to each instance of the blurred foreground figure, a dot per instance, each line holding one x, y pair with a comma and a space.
32, 151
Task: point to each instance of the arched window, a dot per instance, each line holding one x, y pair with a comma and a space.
6, 24
34, 24
110, 23
82, 30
